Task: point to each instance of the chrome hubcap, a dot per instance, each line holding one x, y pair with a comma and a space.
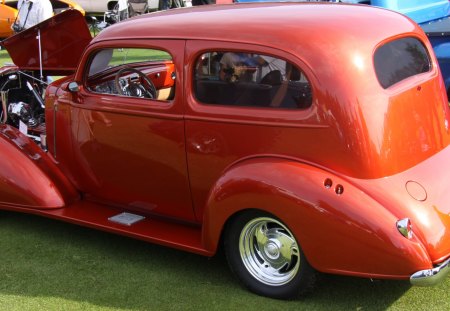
272, 249
269, 251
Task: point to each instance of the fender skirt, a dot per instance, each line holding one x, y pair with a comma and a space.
29, 178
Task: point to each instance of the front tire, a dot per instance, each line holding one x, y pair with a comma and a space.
266, 256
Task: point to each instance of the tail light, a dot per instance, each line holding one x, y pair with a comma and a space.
404, 226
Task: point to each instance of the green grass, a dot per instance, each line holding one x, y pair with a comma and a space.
125, 56
49, 265
119, 56
4, 57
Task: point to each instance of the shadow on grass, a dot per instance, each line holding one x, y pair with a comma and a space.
45, 258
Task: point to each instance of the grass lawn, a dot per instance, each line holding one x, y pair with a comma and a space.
4, 57
48, 265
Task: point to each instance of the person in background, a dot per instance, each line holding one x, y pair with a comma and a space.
202, 2
32, 12
166, 4
123, 9
237, 67
169, 4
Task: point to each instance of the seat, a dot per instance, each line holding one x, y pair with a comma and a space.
272, 78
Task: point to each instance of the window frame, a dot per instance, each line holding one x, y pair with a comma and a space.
195, 111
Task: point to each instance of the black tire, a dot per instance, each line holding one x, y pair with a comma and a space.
266, 257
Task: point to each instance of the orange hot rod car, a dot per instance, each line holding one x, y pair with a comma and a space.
8, 13
305, 137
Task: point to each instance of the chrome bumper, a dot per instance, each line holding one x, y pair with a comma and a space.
431, 277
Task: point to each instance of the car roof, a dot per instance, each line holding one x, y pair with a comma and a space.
272, 24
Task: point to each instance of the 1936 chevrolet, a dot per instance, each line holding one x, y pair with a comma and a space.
302, 141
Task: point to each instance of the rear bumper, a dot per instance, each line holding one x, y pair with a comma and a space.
431, 277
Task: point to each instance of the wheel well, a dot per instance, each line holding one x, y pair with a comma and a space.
227, 223
250, 256
231, 218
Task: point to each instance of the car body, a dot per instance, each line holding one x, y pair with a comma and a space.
8, 13
324, 148
432, 15
434, 18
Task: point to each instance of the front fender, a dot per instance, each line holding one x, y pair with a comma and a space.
345, 233
29, 178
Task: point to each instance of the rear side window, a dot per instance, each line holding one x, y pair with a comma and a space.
234, 78
400, 59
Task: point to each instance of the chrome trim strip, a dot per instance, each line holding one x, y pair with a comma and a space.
431, 277
55, 110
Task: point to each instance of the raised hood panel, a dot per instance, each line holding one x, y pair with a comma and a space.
63, 40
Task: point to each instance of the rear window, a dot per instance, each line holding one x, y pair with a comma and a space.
400, 59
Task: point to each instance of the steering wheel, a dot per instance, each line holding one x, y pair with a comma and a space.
144, 87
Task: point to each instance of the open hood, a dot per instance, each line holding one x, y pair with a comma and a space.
63, 39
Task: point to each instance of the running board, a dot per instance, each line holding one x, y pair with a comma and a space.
126, 219
185, 237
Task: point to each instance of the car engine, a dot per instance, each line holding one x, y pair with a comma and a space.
23, 104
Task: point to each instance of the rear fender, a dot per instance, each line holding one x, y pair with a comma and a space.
28, 176
345, 233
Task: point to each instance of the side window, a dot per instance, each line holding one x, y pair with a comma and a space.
250, 79
400, 59
132, 72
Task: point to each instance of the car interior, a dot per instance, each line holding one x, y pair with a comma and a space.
253, 80
142, 73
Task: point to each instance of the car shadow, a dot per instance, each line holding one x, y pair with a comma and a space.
49, 259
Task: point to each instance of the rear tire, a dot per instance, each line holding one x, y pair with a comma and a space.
266, 257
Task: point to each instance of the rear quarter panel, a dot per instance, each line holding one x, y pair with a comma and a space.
348, 233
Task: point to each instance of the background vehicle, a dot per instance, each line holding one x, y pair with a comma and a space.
189, 136
7, 17
99, 7
8, 13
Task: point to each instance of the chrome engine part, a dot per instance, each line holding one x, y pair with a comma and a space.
23, 104
20, 112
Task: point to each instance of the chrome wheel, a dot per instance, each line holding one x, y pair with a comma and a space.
269, 251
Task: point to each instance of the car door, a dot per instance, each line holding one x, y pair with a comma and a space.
250, 109
128, 148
